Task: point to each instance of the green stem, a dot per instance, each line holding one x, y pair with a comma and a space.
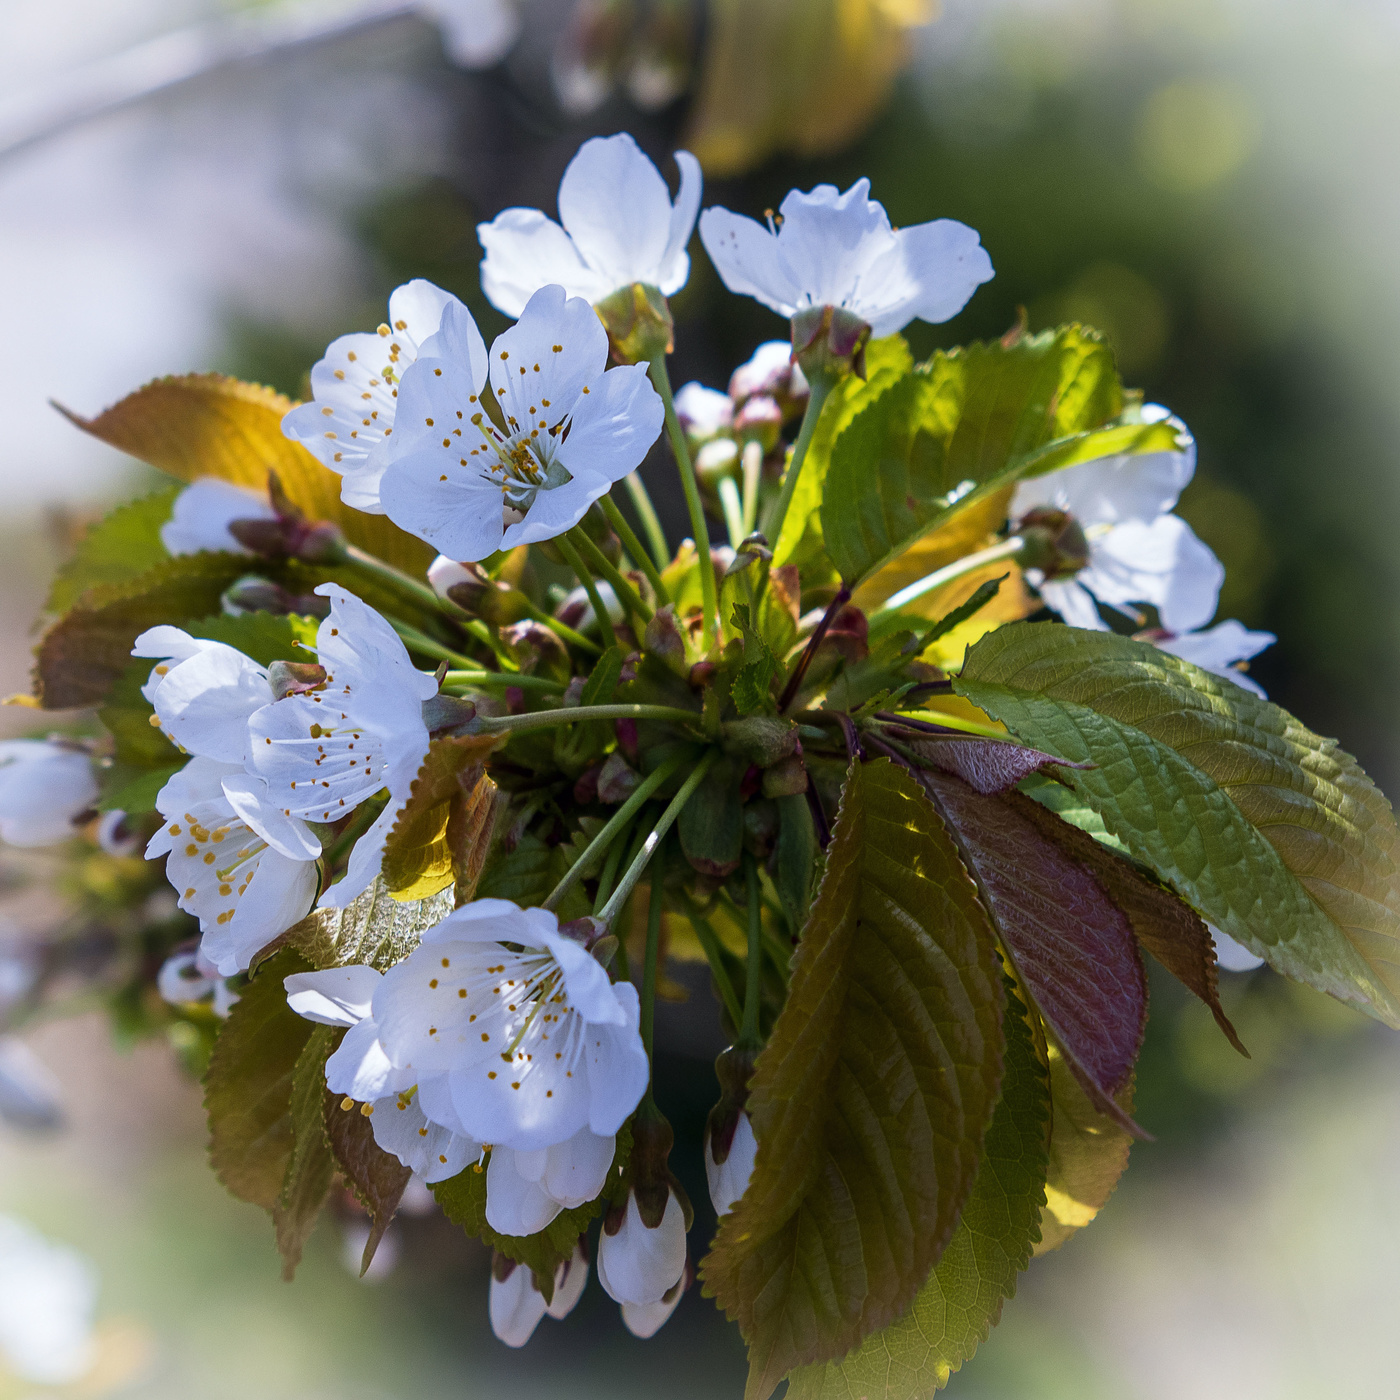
616, 825
753, 977
653, 840
651, 522
626, 594
633, 546
420, 642
484, 679
821, 386
752, 463
714, 954
709, 594
605, 880
654, 903
1006, 549
545, 719
600, 613
421, 593
733, 509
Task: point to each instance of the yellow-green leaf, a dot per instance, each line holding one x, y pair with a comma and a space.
874, 1093
196, 425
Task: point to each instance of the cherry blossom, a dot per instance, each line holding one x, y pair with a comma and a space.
46, 787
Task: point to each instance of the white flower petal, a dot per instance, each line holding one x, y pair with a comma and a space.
525, 250
248, 796
1112, 490
931, 274
515, 1204
746, 256
361, 1070
435, 1153
569, 1281
366, 860
204, 702
475, 33
618, 1071
44, 787
703, 412
336, 996
1220, 650
576, 1170
728, 1180
1164, 564
515, 1306
613, 426
1232, 956
674, 267
203, 512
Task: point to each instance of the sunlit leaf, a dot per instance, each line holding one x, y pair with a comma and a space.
873, 1095
1272, 833
198, 425
374, 928
420, 858
1088, 1152
1000, 1225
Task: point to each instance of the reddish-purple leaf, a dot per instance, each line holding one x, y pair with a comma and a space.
1073, 947
987, 765
1164, 924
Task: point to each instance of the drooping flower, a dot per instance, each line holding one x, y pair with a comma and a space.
569, 428
728, 1166
324, 752
620, 227
517, 1307
1222, 650
533, 1041
188, 977
526, 1190
203, 512
349, 423
645, 1320
1137, 551
244, 886
638, 1265
828, 248
46, 787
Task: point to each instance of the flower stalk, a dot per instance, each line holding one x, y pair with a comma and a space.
590, 587
577, 714
821, 386
633, 545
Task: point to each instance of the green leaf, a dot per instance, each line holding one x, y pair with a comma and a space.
873, 1095
886, 362
796, 859
374, 928
965, 425
711, 824
1000, 1225
120, 546
1088, 1153
248, 1086
602, 680
262, 636
309, 1172
376, 1177
1273, 834
84, 653
463, 1201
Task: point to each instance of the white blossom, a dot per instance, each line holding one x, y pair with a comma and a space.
704, 413
475, 33
46, 786
570, 427
770, 370
619, 227
323, 753
190, 978
203, 512
516, 1306
355, 390
1222, 650
729, 1179
838, 249
243, 887
526, 1190
48, 1298
203, 692
1138, 552
534, 1043
638, 1266
645, 1320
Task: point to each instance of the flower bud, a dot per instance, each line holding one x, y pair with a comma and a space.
645, 1320
514, 1304
717, 461
730, 1146
256, 594
444, 572
703, 413
770, 372
116, 836
760, 420
638, 322
637, 1263
829, 341
536, 650
1054, 543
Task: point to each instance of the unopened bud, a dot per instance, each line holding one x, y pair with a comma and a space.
716, 461
498, 603
785, 779
770, 371
829, 342
760, 420
253, 593
536, 651
638, 322
1054, 543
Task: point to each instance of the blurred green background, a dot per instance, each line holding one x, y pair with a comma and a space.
1211, 182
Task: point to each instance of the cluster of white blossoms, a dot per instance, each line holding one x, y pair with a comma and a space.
265, 771
501, 1042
